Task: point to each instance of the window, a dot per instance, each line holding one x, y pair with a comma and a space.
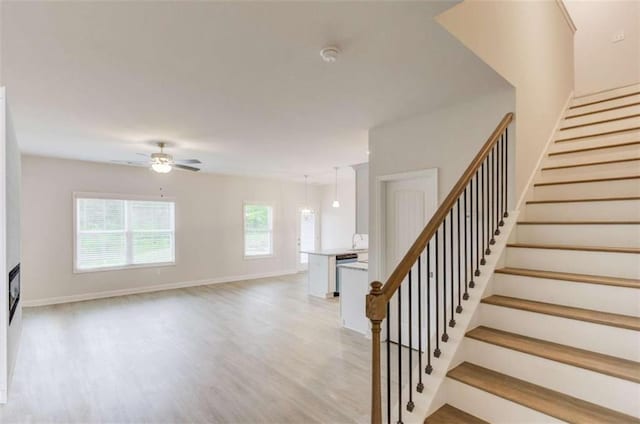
114, 233
258, 230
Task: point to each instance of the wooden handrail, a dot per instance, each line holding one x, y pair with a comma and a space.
401, 271
380, 295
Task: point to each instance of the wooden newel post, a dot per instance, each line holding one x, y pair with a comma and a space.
376, 311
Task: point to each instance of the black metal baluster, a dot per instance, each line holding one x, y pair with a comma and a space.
445, 336
410, 404
388, 319
429, 367
506, 172
399, 294
485, 247
496, 202
452, 321
472, 283
478, 227
492, 202
500, 183
466, 249
420, 386
459, 307
485, 210
436, 353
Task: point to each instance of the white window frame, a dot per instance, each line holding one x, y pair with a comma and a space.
87, 195
244, 229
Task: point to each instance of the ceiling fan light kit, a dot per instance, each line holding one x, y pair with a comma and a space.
163, 163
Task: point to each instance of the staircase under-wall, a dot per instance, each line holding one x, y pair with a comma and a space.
558, 334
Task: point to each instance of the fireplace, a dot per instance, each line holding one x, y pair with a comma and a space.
14, 291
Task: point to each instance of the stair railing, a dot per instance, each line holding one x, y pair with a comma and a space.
481, 194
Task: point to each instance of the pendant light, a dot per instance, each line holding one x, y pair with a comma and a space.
306, 209
336, 203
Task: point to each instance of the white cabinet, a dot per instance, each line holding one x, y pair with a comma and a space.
354, 286
322, 275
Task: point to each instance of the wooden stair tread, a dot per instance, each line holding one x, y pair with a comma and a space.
579, 165
447, 414
598, 134
588, 315
622, 96
573, 247
593, 199
578, 222
577, 278
546, 401
589, 149
590, 180
603, 364
603, 121
609, 109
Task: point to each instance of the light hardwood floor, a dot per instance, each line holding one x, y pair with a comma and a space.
255, 351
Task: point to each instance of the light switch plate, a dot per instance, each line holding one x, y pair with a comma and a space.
617, 37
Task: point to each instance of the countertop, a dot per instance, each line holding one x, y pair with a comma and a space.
334, 252
361, 266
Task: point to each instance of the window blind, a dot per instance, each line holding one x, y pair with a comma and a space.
115, 233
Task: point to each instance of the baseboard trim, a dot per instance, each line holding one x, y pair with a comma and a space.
543, 154
148, 289
606, 90
567, 16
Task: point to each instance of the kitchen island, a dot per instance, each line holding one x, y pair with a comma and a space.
323, 274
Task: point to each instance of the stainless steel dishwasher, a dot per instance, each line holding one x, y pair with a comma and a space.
343, 259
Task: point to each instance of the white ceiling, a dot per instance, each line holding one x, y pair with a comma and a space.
239, 85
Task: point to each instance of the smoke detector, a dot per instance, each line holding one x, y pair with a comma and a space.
330, 54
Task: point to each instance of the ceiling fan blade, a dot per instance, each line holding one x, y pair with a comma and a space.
186, 168
192, 161
146, 155
130, 162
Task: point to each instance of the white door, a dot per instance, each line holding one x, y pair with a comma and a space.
409, 204
306, 236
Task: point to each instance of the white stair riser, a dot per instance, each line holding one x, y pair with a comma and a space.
624, 265
610, 392
600, 189
580, 211
491, 408
603, 140
619, 300
622, 124
592, 171
614, 153
610, 235
604, 95
614, 341
603, 105
596, 117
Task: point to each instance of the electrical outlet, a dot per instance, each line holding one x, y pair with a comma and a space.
617, 37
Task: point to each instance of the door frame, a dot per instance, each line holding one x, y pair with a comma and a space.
299, 266
381, 208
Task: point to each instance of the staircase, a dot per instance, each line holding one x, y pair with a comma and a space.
558, 334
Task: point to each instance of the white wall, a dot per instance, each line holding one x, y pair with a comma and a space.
339, 224
209, 234
530, 44
601, 64
432, 140
362, 198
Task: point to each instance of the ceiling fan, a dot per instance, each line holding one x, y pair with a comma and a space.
162, 162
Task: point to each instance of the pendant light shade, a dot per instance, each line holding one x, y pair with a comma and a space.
336, 203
